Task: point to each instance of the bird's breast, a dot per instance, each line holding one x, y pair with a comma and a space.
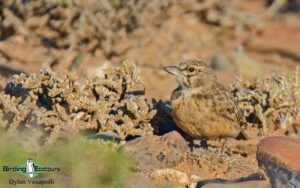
190, 109
197, 116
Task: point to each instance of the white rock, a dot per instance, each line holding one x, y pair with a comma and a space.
170, 175
195, 177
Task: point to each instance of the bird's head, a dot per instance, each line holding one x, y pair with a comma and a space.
192, 74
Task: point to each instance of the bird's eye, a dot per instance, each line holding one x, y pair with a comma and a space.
191, 69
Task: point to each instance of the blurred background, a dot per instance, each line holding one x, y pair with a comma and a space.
251, 38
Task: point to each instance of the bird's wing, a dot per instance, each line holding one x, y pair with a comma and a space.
230, 110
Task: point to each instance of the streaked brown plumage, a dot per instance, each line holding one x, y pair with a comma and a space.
202, 107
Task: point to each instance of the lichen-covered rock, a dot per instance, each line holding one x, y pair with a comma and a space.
54, 105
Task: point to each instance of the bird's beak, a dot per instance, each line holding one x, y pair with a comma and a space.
174, 70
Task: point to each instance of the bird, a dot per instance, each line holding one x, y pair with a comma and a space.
201, 106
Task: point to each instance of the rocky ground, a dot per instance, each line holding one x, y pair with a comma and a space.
94, 68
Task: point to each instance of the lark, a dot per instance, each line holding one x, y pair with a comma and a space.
201, 106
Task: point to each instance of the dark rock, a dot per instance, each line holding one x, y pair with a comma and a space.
245, 184
280, 158
254, 180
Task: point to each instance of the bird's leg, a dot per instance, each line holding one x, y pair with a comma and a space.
192, 145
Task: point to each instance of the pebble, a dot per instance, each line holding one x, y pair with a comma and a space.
170, 175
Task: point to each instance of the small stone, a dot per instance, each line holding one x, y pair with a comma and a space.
155, 152
106, 136
170, 175
280, 158
192, 185
195, 177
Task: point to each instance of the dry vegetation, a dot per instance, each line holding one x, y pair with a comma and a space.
271, 103
50, 105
